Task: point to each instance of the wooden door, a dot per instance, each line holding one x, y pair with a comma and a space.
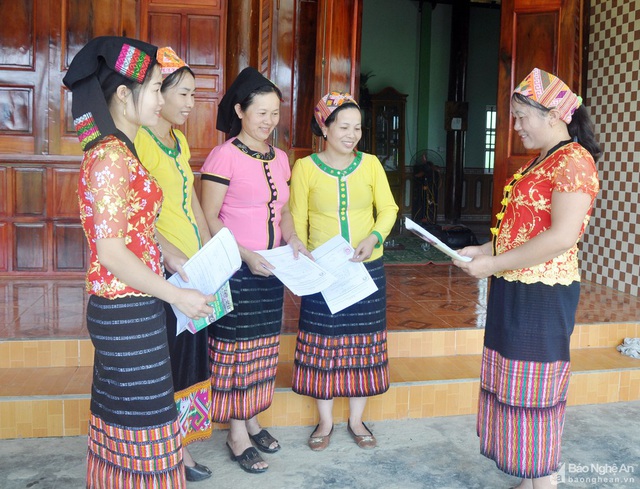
545, 34
316, 48
196, 30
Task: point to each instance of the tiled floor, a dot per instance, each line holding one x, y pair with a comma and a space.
419, 297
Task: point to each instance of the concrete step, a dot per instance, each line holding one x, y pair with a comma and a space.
78, 352
54, 401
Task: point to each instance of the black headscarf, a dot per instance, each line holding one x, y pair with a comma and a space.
248, 81
96, 71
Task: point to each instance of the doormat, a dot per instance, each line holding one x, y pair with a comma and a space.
404, 250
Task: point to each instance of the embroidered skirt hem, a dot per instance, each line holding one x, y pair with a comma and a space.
194, 412
341, 366
127, 458
521, 411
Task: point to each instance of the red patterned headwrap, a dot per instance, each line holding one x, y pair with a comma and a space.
551, 92
329, 103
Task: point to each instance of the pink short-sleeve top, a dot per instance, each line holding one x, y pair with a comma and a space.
258, 188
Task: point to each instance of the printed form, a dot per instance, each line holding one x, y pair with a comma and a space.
209, 270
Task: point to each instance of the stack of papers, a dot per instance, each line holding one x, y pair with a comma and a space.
341, 282
209, 271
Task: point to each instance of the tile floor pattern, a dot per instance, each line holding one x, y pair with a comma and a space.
419, 297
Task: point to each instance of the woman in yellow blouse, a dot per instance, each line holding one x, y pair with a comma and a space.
346, 192
181, 231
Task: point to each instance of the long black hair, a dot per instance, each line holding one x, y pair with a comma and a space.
580, 128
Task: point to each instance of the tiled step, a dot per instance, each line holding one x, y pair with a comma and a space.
401, 344
54, 401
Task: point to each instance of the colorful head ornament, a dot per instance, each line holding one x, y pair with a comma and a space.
551, 92
248, 81
169, 61
100, 67
329, 103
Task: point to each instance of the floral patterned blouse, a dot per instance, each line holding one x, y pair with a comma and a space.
118, 199
526, 211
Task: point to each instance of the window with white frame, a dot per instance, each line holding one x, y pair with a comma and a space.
490, 138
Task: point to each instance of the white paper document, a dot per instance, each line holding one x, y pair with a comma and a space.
432, 240
301, 276
208, 270
354, 283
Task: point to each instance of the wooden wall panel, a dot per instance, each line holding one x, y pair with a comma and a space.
169, 26
30, 250
72, 24
339, 40
39, 151
22, 69
541, 30
69, 253
196, 30
29, 192
40, 228
4, 250
17, 33
203, 51
5, 196
294, 25
64, 192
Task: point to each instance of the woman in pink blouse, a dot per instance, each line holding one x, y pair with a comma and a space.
245, 187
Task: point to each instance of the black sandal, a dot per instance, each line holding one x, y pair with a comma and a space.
264, 440
248, 459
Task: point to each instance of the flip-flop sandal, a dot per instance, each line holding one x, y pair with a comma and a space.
248, 459
264, 440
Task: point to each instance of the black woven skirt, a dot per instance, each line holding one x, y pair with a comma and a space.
531, 322
134, 437
343, 354
244, 346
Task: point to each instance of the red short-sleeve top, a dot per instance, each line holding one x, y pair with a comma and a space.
526, 210
118, 199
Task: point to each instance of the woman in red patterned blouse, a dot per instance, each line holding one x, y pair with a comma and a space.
535, 281
134, 436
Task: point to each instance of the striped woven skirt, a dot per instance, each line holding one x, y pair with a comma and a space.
343, 354
525, 375
191, 379
134, 437
243, 347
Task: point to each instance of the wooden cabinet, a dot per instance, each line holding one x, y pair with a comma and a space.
385, 124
